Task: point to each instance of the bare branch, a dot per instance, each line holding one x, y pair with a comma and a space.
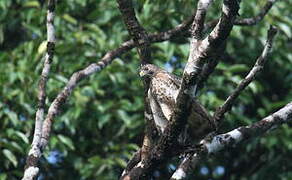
141, 40
227, 105
247, 21
137, 32
208, 48
234, 137
178, 30
223, 28
31, 167
211, 65
255, 20
188, 161
167, 142
198, 57
197, 31
185, 166
198, 24
132, 163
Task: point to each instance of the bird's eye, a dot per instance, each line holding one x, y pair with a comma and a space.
146, 69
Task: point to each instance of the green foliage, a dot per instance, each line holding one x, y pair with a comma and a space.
102, 124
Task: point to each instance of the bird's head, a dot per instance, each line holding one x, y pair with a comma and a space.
148, 70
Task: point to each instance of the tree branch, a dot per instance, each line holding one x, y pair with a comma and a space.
31, 167
198, 24
137, 32
227, 105
185, 166
255, 20
141, 40
167, 142
234, 137
208, 48
132, 162
93, 68
75, 79
197, 32
211, 65
192, 159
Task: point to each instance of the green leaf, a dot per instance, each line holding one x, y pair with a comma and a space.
67, 141
70, 19
102, 120
253, 87
121, 162
238, 68
12, 116
286, 29
35, 4
22, 136
1, 34
42, 47
3, 176
61, 78
11, 157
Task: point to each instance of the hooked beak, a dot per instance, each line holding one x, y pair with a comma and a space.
141, 73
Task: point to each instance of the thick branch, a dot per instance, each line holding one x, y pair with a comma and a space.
167, 142
210, 66
207, 49
132, 162
188, 161
234, 137
141, 40
227, 105
185, 166
197, 35
198, 24
137, 32
31, 167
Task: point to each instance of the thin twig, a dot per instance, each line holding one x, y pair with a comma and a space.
227, 105
256, 19
247, 21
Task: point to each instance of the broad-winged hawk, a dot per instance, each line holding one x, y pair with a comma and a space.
162, 93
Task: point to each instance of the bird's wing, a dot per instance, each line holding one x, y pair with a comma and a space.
159, 118
175, 79
164, 89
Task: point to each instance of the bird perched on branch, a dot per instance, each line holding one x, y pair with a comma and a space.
162, 94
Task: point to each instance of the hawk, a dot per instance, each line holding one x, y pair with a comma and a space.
162, 93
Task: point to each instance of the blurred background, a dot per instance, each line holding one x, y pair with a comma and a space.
102, 124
